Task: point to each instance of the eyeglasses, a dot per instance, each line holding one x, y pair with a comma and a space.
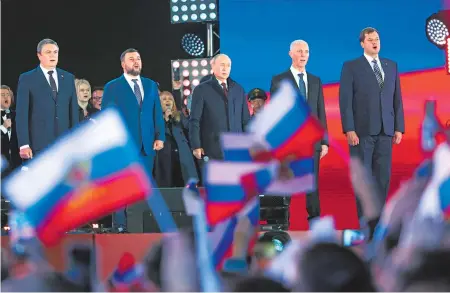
97, 98
6, 95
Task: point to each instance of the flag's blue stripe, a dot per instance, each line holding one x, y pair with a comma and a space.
444, 194
236, 155
302, 167
424, 169
225, 242
254, 214
263, 178
224, 193
294, 119
38, 212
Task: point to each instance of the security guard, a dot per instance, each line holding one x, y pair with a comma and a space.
257, 98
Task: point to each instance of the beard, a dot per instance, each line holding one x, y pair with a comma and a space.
133, 72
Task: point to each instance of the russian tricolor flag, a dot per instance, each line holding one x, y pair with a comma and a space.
436, 196
87, 174
229, 185
222, 236
286, 126
294, 176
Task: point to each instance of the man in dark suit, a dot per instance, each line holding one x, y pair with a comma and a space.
308, 86
137, 99
218, 105
10, 148
46, 102
371, 107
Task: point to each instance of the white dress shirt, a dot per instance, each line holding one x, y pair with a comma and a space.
220, 83
4, 129
47, 76
370, 59
295, 73
129, 79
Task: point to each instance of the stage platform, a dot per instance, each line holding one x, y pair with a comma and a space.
109, 248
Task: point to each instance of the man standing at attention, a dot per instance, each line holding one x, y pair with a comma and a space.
371, 107
46, 102
218, 105
309, 87
137, 99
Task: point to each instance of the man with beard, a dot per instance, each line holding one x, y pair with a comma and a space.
137, 98
218, 105
46, 102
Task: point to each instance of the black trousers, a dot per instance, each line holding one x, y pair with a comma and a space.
375, 152
312, 198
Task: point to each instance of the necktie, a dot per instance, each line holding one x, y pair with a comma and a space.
52, 84
224, 87
378, 74
137, 92
302, 86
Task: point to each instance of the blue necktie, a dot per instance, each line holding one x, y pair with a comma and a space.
137, 91
302, 86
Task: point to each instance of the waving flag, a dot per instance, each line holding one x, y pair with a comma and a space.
87, 174
226, 193
243, 147
285, 124
436, 196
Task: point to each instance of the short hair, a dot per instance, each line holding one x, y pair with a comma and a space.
79, 82
5, 87
44, 42
97, 88
129, 50
366, 31
213, 60
296, 42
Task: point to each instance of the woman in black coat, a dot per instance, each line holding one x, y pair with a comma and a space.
174, 164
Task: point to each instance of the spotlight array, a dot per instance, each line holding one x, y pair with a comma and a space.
191, 72
182, 11
437, 28
193, 45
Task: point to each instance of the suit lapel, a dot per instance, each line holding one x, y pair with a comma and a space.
44, 82
368, 69
60, 77
387, 71
312, 89
127, 89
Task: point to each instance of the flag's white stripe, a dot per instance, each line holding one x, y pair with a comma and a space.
82, 144
430, 205
230, 173
281, 103
233, 141
288, 187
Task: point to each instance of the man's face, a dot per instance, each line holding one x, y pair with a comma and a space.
371, 44
49, 56
97, 97
299, 55
6, 99
222, 67
132, 64
257, 105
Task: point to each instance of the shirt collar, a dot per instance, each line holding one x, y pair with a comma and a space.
295, 72
370, 59
46, 70
130, 78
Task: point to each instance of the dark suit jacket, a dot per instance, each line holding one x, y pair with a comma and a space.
365, 108
10, 148
144, 122
212, 113
40, 118
315, 97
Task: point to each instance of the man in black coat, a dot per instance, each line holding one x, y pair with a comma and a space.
309, 87
218, 105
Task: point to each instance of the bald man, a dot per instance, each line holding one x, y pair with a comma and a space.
218, 105
308, 87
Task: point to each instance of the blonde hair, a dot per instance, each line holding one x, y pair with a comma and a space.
79, 82
176, 113
11, 94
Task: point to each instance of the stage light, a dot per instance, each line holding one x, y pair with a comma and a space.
447, 55
95, 226
437, 28
193, 45
192, 71
6, 228
194, 11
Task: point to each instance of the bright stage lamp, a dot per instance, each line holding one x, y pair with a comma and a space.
447, 56
437, 28
182, 11
193, 45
